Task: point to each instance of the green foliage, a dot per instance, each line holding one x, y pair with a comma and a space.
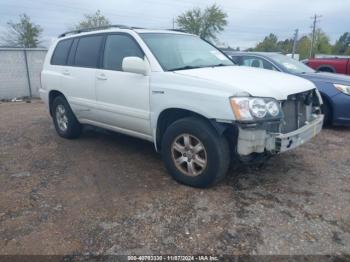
347, 51
93, 20
285, 46
342, 45
269, 44
22, 34
207, 24
322, 44
303, 47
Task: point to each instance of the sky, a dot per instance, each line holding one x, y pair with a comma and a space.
248, 21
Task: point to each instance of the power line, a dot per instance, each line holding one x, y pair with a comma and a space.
316, 20
295, 42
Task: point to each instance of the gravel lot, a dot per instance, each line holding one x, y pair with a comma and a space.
106, 193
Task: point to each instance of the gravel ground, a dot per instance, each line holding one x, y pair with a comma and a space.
106, 193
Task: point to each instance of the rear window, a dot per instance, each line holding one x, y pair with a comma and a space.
88, 51
61, 52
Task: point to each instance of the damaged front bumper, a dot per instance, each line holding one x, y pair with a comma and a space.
259, 140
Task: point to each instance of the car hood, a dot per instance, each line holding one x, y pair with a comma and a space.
327, 77
256, 82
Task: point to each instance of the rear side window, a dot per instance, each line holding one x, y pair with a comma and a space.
118, 47
88, 51
257, 62
61, 52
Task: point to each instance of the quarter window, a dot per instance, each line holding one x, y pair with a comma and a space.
118, 47
61, 52
88, 51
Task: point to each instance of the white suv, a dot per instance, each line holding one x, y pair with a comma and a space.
179, 92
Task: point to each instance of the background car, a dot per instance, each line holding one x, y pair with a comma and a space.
334, 88
340, 65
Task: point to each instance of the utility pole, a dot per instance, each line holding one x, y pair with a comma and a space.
295, 42
315, 18
173, 23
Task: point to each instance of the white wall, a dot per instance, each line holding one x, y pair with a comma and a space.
13, 72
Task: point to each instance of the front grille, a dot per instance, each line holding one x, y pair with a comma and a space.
297, 110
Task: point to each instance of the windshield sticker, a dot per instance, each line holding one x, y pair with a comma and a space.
218, 55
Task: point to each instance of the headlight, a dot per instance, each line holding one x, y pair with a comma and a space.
273, 108
257, 107
343, 88
253, 108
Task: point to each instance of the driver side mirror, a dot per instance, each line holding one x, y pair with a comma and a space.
133, 64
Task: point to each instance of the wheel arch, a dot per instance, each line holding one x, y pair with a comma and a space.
327, 100
328, 68
52, 95
170, 115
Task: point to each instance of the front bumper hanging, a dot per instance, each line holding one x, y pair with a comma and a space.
285, 142
259, 140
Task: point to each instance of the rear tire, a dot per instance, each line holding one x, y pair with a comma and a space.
66, 124
200, 162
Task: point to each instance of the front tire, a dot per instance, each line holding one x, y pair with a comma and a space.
194, 153
327, 111
66, 124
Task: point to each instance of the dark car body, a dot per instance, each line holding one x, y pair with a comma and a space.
336, 103
332, 65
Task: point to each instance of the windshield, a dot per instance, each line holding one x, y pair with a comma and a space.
178, 51
291, 65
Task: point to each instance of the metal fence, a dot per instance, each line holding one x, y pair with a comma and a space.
20, 72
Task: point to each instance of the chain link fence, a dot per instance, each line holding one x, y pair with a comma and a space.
20, 72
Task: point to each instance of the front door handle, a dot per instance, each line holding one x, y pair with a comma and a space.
102, 77
66, 72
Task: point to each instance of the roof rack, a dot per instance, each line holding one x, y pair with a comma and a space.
177, 30
78, 31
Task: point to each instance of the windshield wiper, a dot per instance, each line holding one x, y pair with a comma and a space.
184, 68
220, 65
194, 67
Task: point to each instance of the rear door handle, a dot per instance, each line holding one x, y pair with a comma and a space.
66, 72
102, 77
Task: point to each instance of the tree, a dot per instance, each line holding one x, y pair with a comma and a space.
207, 24
285, 46
93, 20
342, 45
322, 43
304, 45
22, 34
269, 44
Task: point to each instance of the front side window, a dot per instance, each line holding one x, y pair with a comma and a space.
180, 51
118, 47
88, 51
60, 54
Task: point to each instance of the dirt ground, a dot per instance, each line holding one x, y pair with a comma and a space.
107, 193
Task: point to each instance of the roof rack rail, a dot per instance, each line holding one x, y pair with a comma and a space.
78, 31
177, 30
